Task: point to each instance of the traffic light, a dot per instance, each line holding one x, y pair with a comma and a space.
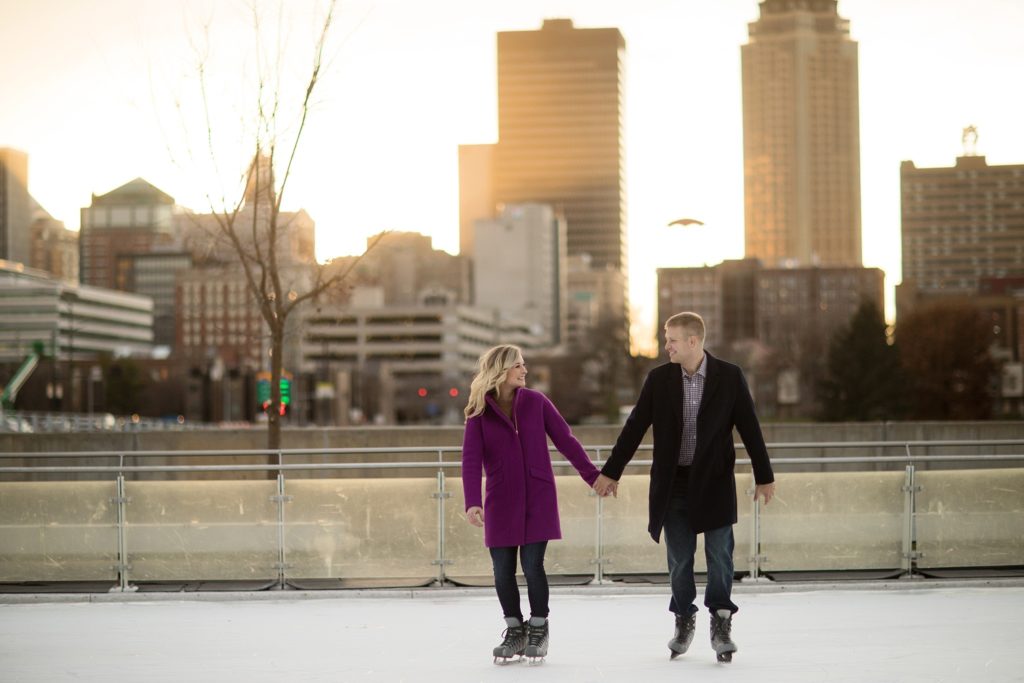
263, 390
422, 392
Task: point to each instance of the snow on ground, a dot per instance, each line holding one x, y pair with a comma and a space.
882, 633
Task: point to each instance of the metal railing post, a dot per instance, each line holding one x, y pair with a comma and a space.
122, 566
440, 495
754, 559
599, 560
281, 498
908, 561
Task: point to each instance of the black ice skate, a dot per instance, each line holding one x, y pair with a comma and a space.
514, 642
537, 639
680, 642
721, 640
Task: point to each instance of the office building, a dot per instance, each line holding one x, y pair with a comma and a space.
70, 320
401, 364
15, 206
520, 268
132, 219
404, 269
960, 224
777, 322
560, 134
801, 136
54, 247
476, 191
156, 275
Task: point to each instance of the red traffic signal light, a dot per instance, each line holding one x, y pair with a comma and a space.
421, 392
453, 392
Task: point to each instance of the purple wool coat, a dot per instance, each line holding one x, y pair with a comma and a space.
520, 505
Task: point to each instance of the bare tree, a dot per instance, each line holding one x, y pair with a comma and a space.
246, 223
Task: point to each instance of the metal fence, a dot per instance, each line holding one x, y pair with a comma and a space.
907, 513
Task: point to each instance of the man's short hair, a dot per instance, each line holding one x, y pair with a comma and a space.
691, 323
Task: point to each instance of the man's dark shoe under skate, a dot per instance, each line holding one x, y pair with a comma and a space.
680, 643
721, 635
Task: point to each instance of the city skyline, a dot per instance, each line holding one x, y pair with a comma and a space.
83, 105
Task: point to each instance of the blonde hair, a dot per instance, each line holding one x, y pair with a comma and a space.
492, 368
691, 323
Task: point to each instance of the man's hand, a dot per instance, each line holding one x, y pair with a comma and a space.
606, 486
475, 515
766, 491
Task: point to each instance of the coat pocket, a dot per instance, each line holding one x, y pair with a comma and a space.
543, 473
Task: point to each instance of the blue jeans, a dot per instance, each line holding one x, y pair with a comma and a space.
532, 558
681, 545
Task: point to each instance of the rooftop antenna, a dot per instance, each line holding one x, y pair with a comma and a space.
970, 141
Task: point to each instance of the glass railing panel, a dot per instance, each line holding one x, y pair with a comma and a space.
361, 528
572, 554
464, 543
201, 530
577, 513
630, 549
58, 531
817, 521
970, 518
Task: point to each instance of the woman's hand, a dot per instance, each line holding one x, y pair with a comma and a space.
475, 516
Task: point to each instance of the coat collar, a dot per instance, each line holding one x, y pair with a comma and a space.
493, 403
710, 380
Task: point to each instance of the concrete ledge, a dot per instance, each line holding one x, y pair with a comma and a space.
608, 589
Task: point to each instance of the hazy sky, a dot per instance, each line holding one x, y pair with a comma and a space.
88, 88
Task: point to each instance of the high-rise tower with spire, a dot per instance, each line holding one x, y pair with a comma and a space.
801, 136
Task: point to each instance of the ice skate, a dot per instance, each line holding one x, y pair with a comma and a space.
537, 640
680, 643
514, 642
721, 640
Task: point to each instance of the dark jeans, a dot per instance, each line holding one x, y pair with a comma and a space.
532, 558
681, 545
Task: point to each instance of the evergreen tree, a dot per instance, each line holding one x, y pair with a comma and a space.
125, 384
863, 379
945, 354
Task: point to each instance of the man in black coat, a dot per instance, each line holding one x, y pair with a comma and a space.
693, 402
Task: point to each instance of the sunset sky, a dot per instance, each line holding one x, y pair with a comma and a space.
88, 91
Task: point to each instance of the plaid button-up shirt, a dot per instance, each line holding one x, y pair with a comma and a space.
693, 391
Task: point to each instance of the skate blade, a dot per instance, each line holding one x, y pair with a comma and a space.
505, 661
724, 657
535, 661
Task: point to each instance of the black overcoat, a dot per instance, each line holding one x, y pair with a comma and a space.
726, 403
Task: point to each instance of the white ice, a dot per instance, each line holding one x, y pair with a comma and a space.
882, 632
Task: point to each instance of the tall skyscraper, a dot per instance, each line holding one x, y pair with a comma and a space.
560, 142
15, 206
801, 136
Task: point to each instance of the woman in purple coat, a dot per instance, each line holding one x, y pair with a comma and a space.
507, 427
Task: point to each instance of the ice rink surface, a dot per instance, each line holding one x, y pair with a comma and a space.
867, 635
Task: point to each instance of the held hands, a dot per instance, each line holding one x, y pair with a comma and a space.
766, 491
475, 516
606, 486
